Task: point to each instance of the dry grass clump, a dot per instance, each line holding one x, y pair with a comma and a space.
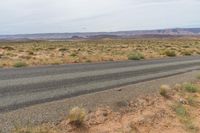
19, 64
198, 76
76, 116
187, 53
170, 53
165, 90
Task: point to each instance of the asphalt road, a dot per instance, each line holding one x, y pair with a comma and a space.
23, 87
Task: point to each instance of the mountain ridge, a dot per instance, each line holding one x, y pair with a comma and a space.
99, 35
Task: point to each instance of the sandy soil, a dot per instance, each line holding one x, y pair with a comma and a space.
177, 111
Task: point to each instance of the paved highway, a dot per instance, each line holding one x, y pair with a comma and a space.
22, 87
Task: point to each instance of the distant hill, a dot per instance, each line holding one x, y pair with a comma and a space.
100, 35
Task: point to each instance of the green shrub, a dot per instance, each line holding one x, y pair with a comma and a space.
20, 64
181, 110
191, 88
136, 56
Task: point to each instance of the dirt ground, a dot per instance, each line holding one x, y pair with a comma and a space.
175, 110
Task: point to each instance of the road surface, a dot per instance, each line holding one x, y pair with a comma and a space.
22, 87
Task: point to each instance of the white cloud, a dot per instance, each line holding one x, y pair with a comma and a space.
33, 16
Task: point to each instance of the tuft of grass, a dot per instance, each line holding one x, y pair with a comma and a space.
136, 56
164, 90
73, 54
198, 76
170, 53
187, 53
77, 116
181, 111
62, 49
185, 118
191, 88
192, 101
19, 64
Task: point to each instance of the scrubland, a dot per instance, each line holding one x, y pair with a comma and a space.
173, 109
34, 53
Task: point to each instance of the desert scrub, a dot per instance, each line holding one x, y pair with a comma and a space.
192, 101
170, 53
77, 116
180, 110
184, 116
198, 76
19, 64
187, 53
164, 90
95, 50
136, 56
191, 88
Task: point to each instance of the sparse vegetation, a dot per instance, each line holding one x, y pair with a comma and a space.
192, 101
180, 110
170, 53
164, 90
77, 116
198, 76
142, 114
136, 56
44, 52
191, 88
187, 53
20, 64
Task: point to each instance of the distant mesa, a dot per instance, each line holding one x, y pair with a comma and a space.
103, 35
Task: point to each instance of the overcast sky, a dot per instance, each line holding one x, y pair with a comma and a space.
44, 16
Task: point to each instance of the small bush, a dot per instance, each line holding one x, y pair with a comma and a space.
20, 64
77, 116
73, 54
62, 49
185, 118
187, 53
164, 90
192, 101
170, 53
136, 56
198, 76
181, 111
191, 88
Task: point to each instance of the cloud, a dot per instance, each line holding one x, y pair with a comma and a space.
33, 16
